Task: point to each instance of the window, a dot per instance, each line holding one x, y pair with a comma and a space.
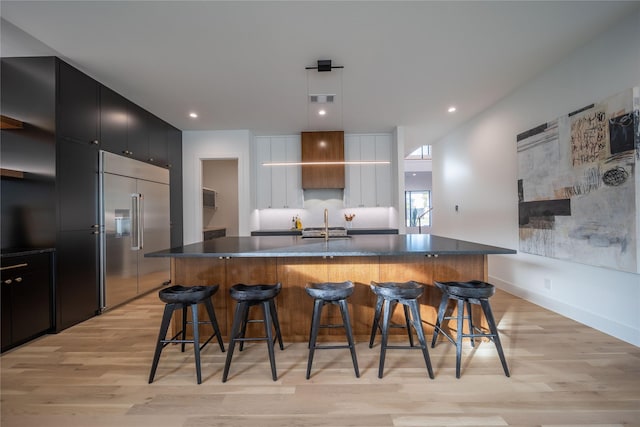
417, 208
422, 153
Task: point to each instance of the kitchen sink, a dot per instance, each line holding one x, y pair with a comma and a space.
318, 233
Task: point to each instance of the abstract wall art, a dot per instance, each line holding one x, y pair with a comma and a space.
578, 187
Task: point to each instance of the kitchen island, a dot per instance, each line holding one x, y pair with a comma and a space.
295, 261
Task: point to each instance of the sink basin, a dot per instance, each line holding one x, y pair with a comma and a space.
318, 232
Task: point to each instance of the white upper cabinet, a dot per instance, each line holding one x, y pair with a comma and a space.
278, 187
368, 185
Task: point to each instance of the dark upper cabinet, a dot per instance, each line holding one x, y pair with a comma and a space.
114, 118
26, 297
78, 109
128, 130
158, 142
77, 186
174, 137
138, 133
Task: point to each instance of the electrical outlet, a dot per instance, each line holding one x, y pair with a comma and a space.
547, 284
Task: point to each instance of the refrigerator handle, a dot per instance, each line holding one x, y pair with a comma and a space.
136, 244
141, 220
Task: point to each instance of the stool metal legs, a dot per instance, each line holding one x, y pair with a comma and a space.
494, 333
415, 321
164, 326
238, 329
376, 321
274, 318
474, 332
315, 327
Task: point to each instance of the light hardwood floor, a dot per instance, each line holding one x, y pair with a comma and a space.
95, 374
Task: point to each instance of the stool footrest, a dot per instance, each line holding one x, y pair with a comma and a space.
253, 339
405, 347
324, 347
332, 326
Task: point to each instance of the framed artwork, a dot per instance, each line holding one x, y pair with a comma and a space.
578, 185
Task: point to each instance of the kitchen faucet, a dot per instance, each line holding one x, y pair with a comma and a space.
326, 224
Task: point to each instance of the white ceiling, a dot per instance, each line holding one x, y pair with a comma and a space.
241, 65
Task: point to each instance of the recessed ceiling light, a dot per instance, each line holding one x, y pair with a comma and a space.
322, 112
452, 109
193, 115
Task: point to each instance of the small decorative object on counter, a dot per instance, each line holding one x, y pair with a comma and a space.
349, 218
298, 223
294, 223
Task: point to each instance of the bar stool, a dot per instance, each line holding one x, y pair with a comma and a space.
407, 294
467, 293
337, 294
180, 297
246, 297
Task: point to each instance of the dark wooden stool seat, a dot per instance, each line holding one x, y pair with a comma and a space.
406, 294
247, 296
330, 293
467, 293
180, 297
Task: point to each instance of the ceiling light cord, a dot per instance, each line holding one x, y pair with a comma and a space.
341, 100
308, 106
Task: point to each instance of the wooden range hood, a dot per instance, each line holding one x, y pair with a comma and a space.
324, 147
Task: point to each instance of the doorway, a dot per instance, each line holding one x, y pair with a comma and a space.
220, 211
418, 189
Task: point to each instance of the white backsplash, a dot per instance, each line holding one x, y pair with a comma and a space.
313, 216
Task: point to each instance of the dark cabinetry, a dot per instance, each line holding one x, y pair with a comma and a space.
138, 133
124, 127
175, 185
78, 109
68, 117
77, 296
78, 232
26, 297
77, 142
214, 233
158, 142
114, 118
131, 131
77, 183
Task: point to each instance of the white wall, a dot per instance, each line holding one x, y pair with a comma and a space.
212, 145
475, 167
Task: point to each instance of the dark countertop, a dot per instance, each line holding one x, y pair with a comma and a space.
360, 245
350, 232
7, 253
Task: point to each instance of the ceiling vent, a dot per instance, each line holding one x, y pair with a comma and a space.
322, 99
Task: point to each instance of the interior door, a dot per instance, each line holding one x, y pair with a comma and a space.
153, 272
120, 263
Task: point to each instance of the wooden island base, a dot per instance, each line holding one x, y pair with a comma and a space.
295, 306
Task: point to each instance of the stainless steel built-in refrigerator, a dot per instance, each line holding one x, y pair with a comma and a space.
134, 198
